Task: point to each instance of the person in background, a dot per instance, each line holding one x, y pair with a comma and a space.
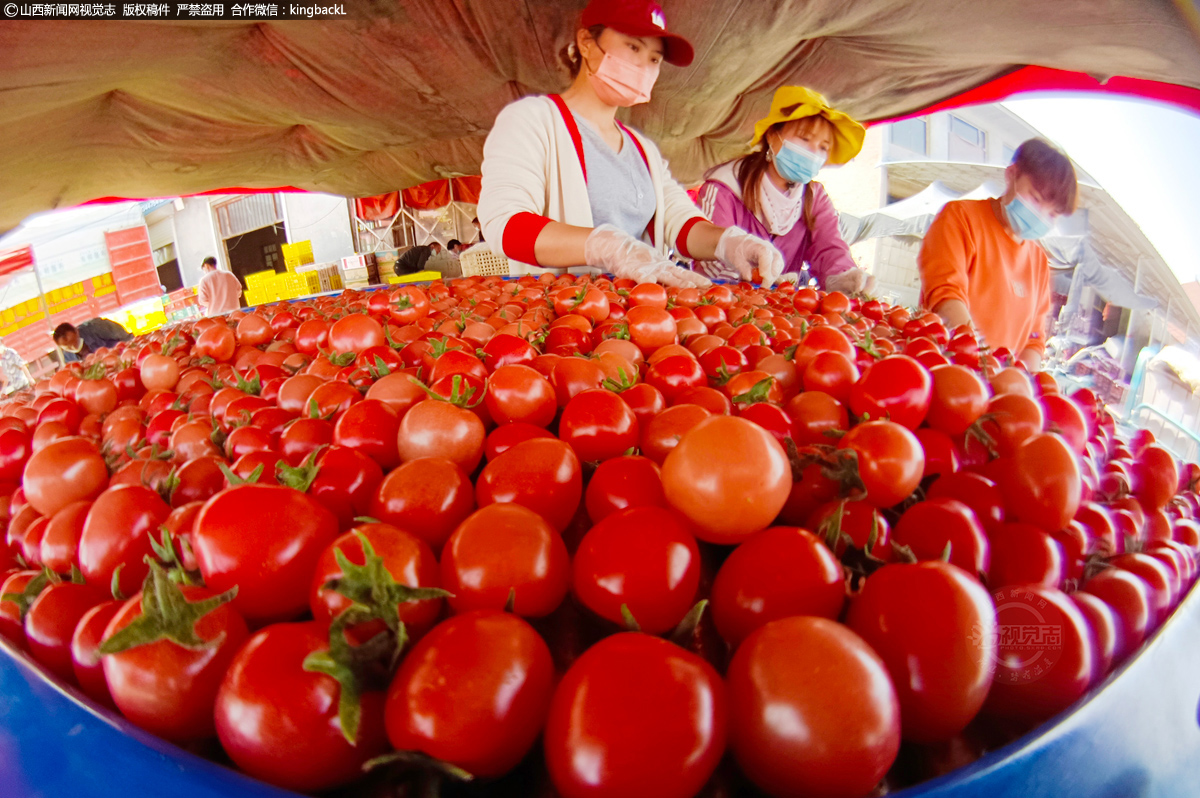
413, 260
478, 231
13, 371
220, 291
456, 247
981, 264
90, 336
566, 184
772, 193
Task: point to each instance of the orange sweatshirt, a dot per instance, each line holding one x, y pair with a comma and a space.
969, 255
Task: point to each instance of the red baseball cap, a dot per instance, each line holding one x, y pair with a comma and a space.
639, 18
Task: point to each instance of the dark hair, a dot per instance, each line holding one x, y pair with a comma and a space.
1051, 171
753, 168
210, 260
570, 57
454, 242
63, 329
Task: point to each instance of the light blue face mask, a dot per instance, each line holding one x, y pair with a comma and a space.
797, 164
1027, 223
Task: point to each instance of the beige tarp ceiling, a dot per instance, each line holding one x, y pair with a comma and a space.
404, 91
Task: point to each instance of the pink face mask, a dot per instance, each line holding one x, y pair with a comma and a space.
622, 83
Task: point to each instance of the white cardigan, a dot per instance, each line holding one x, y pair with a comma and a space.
532, 175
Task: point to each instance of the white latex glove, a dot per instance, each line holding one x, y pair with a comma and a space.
791, 277
851, 281
622, 255
745, 252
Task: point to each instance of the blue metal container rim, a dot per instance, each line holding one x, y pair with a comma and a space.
1137, 734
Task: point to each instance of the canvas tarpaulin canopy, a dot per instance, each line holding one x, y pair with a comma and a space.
404, 91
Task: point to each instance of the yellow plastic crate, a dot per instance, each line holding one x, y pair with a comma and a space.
297, 254
262, 278
418, 277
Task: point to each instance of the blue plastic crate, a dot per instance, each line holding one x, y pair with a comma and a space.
1138, 735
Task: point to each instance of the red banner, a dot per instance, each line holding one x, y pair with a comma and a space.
437, 194
374, 209
16, 260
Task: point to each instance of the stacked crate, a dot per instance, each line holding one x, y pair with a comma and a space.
182, 304
359, 271
297, 255
261, 288
322, 277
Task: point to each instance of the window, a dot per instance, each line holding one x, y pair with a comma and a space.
1009, 154
967, 142
248, 213
911, 134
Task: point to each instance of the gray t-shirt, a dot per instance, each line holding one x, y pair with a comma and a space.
618, 183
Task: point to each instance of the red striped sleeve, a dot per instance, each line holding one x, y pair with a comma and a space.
520, 235
681, 239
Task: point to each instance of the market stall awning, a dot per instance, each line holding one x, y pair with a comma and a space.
403, 92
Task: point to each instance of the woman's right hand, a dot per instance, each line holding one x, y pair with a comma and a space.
622, 255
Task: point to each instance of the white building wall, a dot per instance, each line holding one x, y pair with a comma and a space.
196, 238
323, 219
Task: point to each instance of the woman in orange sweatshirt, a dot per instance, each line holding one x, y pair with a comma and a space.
981, 263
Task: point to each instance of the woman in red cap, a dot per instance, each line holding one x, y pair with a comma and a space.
566, 184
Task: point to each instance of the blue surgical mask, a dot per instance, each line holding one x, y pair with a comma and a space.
797, 164
1027, 222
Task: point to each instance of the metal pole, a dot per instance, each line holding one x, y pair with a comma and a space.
46, 309
453, 211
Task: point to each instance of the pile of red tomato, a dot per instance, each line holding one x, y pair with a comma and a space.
582, 536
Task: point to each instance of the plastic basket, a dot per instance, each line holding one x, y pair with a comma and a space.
479, 261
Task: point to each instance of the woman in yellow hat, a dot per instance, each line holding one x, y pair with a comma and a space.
771, 192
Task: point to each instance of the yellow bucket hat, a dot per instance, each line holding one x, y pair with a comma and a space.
797, 102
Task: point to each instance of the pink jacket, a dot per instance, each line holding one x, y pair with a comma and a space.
220, 292
822, 248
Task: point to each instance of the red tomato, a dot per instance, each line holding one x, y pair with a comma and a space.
505, 550
60, 543
975, 491
1022, 554
279, 722
890, 460
1013, 419
1128, 596
934, 626
51, 620
370, 427
1042, 484
1063, 416
474, 692
1153, 571
541, 474
897, 388
842, 727
776, 573
65, 471
162, 686
643, 560
635, 715
518, 393
929, 526
272, 567
630, 481
959, 398
832, 373
117, 533
1102, 631
85, 651
1036, 676
404, 556
441, 429
651, 328
354, 333
645, 401
1155, 477
729, 477
598, 425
